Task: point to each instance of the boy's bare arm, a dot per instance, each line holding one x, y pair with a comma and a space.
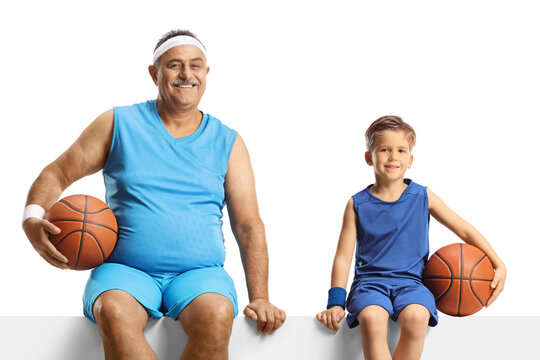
345, 248
86, 156
342, 263
442, 213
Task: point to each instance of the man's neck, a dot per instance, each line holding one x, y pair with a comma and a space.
180, 122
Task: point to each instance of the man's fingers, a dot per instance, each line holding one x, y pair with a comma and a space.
250, 314
280, 319
270, 321
53, 261
50, 250
50, 227
261, 322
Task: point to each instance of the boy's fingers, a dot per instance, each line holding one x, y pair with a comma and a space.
494, 283
335, 325
494, 296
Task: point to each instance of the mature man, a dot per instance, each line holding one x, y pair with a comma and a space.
168, 169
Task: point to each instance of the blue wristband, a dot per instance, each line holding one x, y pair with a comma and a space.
336, 296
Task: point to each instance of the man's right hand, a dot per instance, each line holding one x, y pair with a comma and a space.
37, 231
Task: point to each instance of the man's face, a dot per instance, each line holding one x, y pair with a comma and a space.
181, 76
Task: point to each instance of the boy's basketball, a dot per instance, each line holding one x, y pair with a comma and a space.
88, 230
459, 276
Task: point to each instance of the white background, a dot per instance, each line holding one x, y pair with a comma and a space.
300, 81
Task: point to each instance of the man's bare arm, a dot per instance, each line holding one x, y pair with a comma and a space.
86, 156
248, 230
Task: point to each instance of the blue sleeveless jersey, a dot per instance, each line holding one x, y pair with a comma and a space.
167, 194
392, 238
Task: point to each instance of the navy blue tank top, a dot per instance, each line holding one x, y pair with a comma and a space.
392, 238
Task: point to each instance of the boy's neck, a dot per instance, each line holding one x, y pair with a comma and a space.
388, 190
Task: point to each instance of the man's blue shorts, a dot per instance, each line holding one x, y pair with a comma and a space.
391, 294
160, 293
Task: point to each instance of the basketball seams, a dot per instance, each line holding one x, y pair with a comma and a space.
461, 276
65, 236
451, 274
97, 242
79, 211
453, 278
86, 222
470, 280
82, 233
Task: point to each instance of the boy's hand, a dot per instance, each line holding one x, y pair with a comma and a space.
331, 317
497, 284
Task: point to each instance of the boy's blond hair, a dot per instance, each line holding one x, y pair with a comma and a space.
389, 122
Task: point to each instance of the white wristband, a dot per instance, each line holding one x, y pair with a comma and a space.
33, 211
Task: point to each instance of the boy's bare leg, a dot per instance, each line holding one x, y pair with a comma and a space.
208, 322
373, 321
414, 322
121, 320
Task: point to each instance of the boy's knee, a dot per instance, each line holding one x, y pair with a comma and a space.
373, 318
414, 317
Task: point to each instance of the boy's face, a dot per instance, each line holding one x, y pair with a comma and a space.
391, 156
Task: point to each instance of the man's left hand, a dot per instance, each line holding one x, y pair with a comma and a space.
268, 317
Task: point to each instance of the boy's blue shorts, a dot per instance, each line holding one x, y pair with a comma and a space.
391, 294
160, 293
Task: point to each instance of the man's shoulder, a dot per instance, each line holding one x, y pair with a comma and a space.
140, 105
218, 124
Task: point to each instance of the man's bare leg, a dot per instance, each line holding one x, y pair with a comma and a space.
121, 320
207, 321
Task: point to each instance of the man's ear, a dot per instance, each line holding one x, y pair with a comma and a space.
152, 70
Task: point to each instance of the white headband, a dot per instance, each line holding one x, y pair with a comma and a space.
178, 41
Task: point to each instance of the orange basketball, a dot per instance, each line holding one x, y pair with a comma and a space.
88, 230
459, 276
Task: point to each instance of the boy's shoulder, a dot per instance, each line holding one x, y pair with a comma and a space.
415, 188
362, 196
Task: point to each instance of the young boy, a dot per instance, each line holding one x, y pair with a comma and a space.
388, 222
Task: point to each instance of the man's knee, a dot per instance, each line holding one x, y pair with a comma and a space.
118, 307
209, 315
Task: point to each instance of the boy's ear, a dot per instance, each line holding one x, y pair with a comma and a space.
410, 161
369, 159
